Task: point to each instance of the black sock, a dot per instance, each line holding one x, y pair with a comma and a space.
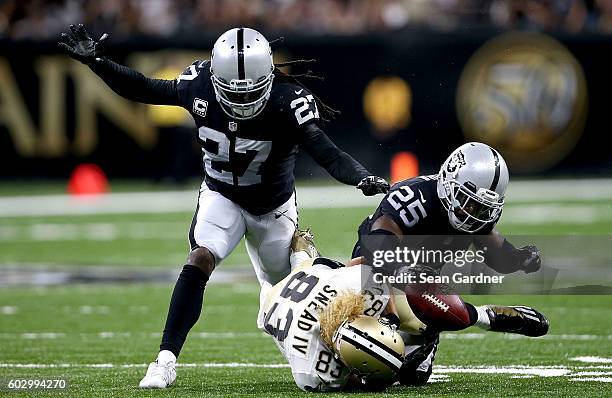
472, 312
185, 308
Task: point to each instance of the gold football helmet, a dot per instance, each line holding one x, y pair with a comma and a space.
371, 349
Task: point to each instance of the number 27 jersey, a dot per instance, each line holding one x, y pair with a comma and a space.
290, 314
249, 161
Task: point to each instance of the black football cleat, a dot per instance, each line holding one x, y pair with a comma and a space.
418, 363
517, 319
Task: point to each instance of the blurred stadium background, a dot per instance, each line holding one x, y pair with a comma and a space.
413, 79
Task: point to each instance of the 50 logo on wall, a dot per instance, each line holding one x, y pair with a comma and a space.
524, 94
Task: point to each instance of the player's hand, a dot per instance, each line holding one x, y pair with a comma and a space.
79, 45
532, 259
356, 261
372, 185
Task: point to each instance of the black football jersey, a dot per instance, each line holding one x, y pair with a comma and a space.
250, 161
416, 208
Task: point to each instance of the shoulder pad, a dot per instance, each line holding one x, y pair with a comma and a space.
296, 100
192, 71
407, 202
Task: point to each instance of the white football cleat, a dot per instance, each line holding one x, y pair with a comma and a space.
161, 373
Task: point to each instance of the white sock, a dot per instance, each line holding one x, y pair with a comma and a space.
297, 257
165, 357
483, 322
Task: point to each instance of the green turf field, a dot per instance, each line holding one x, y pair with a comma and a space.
101, 336
161, 239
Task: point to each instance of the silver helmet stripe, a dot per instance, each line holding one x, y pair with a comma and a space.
497, 171
240, 46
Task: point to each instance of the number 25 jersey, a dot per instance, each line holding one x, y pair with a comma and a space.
415, 207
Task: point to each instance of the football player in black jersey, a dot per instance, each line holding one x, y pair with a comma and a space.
452, 210
251, 119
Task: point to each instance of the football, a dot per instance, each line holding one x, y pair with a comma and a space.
437, 306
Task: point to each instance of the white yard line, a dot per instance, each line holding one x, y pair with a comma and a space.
537, 214
337, 196
507, 336
8, 310
442, 373
542, 371
226, 335
532, 214
110, 335
141, 365
592, 359
599, 379
568, 189
96, 231
42, 274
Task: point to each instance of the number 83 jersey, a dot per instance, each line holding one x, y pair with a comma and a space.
289, 312
248, 161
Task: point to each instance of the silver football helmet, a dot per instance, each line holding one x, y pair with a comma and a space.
242, 72
471, 185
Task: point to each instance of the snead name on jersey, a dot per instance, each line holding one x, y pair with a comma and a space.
289, 313
248, 161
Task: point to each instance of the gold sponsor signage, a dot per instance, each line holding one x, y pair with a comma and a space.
47, 132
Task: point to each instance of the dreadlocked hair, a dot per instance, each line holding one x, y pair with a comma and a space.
327, 112
347, 305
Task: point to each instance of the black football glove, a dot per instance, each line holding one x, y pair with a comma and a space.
532, 260
79, 45
372, 185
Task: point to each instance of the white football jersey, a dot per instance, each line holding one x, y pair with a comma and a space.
289, 312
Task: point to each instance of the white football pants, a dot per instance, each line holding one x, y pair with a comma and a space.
219, 224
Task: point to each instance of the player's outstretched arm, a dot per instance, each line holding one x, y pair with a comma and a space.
339, 164
126, 82
384, 235
503, 257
